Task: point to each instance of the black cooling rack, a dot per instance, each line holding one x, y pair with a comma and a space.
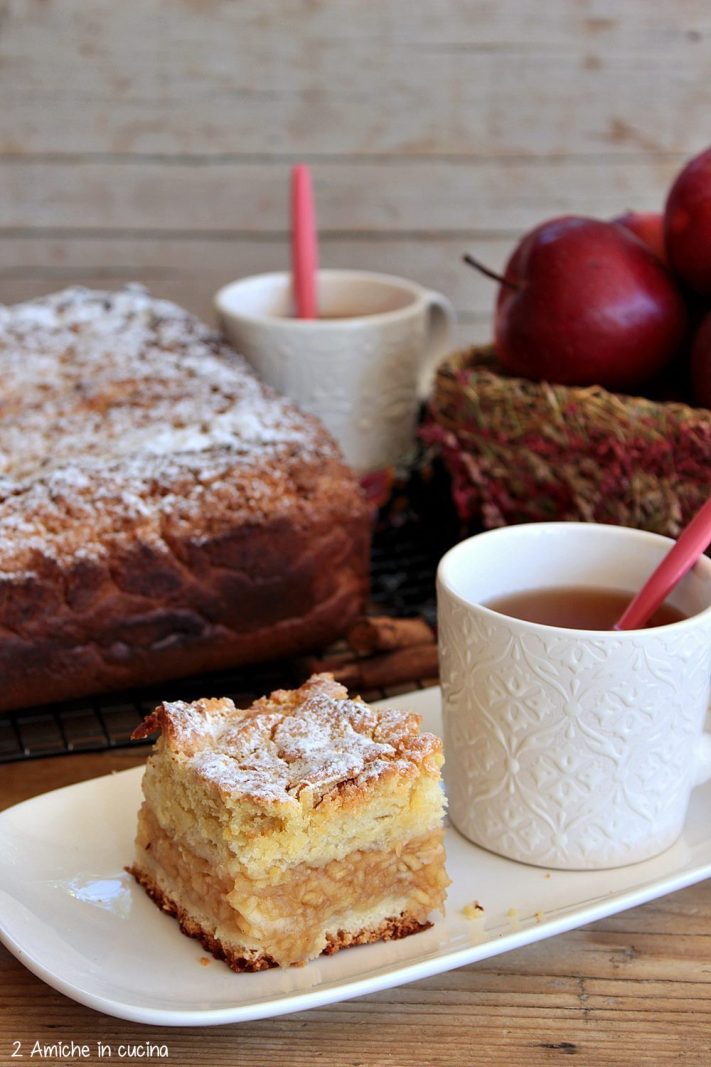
403, 565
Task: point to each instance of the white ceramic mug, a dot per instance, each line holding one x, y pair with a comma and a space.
362, 368
569, 748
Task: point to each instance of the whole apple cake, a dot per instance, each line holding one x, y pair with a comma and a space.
301, 825
161, 511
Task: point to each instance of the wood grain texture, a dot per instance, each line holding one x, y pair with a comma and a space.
152, 139
631, 989
455, 77
453, 197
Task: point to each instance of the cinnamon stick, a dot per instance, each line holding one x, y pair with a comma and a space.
379, 672
380, 633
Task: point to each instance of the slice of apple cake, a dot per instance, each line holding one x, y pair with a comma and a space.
301, 825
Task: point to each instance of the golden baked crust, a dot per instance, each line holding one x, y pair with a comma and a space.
161, 511
302, 824
310, 768
313, 740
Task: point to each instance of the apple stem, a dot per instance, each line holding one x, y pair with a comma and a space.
488, 272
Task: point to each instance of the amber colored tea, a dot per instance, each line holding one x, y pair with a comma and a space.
328, 316
576, 607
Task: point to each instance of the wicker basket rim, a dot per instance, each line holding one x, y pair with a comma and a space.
480, 363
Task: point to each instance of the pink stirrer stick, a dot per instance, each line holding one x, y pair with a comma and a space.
692, 542
304, 246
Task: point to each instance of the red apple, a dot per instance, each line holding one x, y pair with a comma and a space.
585, 302
648, 226
701, 364
687, 224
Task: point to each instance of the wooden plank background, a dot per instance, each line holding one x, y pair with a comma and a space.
152, 139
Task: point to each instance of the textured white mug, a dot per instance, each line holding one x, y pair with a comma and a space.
362, 368
565, 748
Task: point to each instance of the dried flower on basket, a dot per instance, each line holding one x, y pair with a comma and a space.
522, 451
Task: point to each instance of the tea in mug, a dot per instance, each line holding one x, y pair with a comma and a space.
576, 607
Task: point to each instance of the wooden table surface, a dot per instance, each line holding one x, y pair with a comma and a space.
632, 989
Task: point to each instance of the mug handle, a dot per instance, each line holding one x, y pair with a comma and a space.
702, 760
441, 319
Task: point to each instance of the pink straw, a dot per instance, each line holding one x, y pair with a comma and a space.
304, 247
692, 543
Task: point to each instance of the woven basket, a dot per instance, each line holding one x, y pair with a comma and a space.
521, 451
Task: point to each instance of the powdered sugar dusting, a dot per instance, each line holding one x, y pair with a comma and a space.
318, 739
118, 410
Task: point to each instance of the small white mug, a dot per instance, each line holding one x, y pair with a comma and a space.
362, 367
565, 748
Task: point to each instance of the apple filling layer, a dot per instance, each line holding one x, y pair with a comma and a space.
299, 912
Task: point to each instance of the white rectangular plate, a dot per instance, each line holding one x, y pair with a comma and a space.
71, 914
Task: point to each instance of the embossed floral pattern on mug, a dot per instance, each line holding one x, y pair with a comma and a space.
364, 371
570, 749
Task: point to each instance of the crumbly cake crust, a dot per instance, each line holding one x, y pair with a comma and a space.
161, 511
313, 739
118, 409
